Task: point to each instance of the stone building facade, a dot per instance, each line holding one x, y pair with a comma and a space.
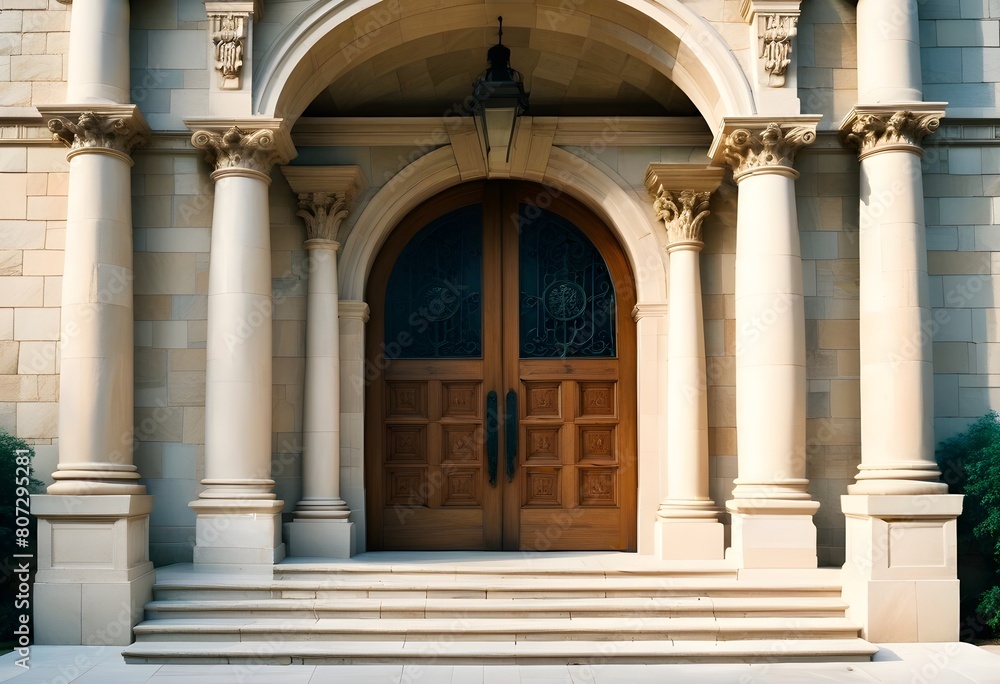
196, 196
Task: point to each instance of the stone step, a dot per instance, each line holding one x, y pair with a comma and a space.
462, 586
498, 629
372, 608
501, 652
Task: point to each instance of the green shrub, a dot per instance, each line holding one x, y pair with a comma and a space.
16, 483
970, 464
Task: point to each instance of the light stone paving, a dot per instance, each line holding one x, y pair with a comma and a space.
951, 663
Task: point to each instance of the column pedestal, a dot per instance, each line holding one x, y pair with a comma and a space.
94, 575
900, 577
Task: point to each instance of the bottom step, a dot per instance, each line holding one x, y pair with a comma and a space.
509, 653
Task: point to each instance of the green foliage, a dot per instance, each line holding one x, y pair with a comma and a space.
970, 464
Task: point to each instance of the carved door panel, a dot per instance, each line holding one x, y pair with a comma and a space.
501, 399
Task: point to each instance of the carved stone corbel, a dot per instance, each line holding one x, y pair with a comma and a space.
230, 24
776, 24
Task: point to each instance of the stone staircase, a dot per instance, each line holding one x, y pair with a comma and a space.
499, 611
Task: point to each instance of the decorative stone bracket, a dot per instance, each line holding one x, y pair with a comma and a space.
777, 24
230, 24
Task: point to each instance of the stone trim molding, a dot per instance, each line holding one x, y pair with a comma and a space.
347, 180
871, 129
352, 308
113, 128
763, 145
249, 145
650, 310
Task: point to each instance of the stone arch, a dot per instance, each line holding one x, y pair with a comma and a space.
630, 218
326, 39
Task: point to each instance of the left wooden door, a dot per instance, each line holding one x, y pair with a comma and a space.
435, 342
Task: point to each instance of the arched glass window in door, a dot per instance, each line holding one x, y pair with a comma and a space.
434, 296
567, 307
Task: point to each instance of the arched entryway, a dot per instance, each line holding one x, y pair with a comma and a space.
503, 415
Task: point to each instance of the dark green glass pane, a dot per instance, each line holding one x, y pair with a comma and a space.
433, 305
567, 296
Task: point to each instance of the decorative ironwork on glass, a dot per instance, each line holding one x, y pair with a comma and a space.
567, 296
433, 301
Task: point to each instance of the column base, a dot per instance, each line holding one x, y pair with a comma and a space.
94, 576
900, 577
680, 539
238, 536
320, 538
773, 533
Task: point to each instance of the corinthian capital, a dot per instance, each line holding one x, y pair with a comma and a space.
756, 145
680, 195
322, 213
117, 128
682, 214
253, 145
873, 129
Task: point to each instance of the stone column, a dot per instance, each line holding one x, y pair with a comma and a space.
321, 527
96, 509
239, 518
687, 526
901, 568
771, 506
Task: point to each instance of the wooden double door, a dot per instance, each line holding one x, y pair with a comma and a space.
501, 403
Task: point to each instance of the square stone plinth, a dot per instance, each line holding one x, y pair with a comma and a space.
690, 540
238, 535
94, 576
900, 575
773, 534
321, 538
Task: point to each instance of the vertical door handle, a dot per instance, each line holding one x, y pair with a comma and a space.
492, 435
511, 433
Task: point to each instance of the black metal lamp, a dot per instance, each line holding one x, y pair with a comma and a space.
499, 98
